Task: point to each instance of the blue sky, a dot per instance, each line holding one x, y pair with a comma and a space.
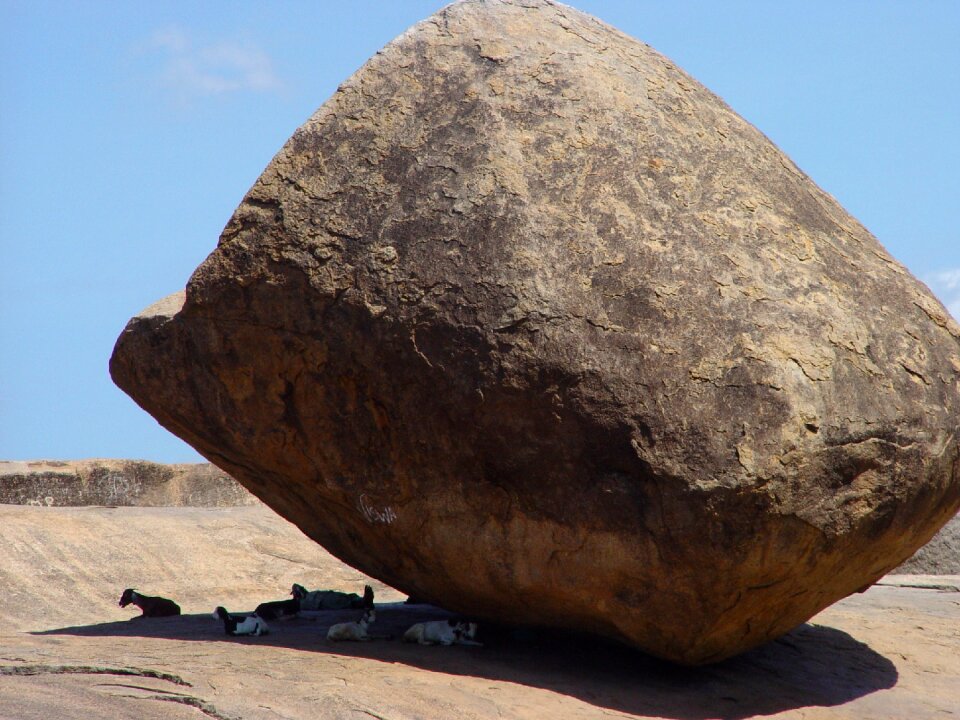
129, 131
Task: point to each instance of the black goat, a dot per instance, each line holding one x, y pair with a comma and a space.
282, 609
151, 606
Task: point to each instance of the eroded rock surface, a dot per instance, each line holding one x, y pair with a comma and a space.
527, 322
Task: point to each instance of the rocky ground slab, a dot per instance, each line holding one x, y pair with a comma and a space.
67, 651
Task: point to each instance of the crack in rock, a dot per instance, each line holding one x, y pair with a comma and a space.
90, 670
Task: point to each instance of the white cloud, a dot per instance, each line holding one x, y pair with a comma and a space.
949, 279
946, 286
191, 69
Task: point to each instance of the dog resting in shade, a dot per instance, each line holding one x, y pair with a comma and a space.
442, 632
353, 630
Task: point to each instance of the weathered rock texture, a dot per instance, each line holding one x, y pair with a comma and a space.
118, 482
527, 322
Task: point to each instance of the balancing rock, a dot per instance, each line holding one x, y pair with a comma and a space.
526, 322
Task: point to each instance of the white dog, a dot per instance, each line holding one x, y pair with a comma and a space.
353, 630
442, 632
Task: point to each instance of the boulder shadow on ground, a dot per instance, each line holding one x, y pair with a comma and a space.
811, 666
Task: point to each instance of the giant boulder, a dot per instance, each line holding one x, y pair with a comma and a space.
527, 322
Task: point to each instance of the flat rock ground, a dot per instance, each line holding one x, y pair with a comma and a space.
68, 652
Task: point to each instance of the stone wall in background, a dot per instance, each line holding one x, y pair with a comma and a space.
118, 482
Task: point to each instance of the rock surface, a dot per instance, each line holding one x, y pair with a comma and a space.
118, 482
940, 556
888, 654
527, 322
70, 564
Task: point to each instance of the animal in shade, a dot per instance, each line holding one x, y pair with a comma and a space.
353, 630
282, 609
332, 599
442, 632
149, 605
239, 624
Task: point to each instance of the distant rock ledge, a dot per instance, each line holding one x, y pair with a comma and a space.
120, 483
940, 556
